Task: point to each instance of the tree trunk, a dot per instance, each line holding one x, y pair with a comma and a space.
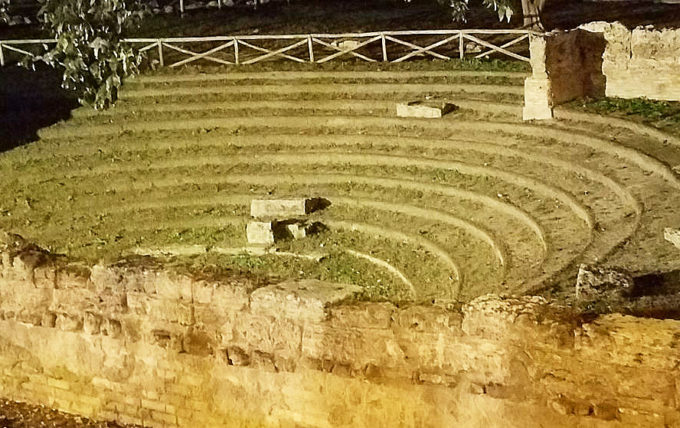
531, 9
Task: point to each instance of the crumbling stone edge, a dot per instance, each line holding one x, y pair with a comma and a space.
141, 344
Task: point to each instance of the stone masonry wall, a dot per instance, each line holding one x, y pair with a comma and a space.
136, 343
643, 62
565, 65
598, 59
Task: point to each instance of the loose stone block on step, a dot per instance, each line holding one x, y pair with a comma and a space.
672, 236
260, 233
424, 109
278, 208
297, 231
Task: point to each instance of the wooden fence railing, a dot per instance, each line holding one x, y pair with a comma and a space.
384, 46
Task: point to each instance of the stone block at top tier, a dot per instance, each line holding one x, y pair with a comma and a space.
424, 109
278, 208
305, 300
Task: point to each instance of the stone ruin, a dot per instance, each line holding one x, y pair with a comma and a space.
424, 109
278, 219
142, 344
598, 59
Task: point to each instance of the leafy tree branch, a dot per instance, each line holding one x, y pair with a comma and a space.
90, 46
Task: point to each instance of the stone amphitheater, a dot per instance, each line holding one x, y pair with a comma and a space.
437, 288
473, 203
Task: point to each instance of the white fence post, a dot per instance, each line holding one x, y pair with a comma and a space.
461, 46
160, 53
310, 46
384, 47
236, 59
2, 57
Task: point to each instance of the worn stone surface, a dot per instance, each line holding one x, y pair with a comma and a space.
601, 58
306, 299
642, 62
296, 230
594, 282
537, 99
565, 65
260, 233
181, 351
278, 208
424, 109
672, 235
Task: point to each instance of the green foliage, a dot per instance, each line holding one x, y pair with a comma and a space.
89, 45
4, 11
645, 109
459, 8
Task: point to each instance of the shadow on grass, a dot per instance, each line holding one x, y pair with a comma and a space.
30, 100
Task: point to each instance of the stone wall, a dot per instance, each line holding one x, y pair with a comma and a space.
643, 62
566, 65
600, 59
136, 343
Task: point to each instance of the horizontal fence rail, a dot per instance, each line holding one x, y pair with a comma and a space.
384, 46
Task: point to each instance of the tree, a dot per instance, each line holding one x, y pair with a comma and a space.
505, 9
531, 10
459, 8
90, 46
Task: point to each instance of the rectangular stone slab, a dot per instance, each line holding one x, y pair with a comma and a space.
424, 109
260, 233
278, 208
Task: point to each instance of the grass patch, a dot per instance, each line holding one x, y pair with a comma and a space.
499, 65
660, 114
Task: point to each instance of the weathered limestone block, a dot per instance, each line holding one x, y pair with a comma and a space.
640, 63
304, 300
618, 49
260, 233
296, 230
537, 99
660, 47
538, 55
92, 323
268, 333
111, 327
672, 235
358, 315
69, 322
278, 208
494, 317
599, 283
424, 109
228, 297
426, 319
565, 65
173, 287
25, 295
73, 300
103, 277
68, 277
49, 319
537, 91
